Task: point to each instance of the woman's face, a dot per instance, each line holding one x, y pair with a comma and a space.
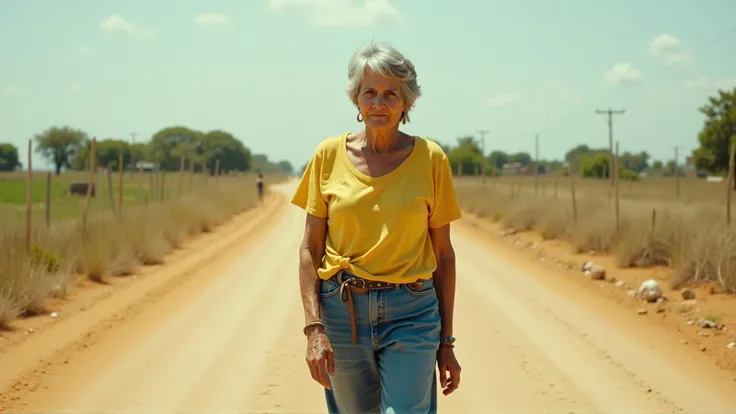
380, 100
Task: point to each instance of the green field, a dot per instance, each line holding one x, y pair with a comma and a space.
137, 190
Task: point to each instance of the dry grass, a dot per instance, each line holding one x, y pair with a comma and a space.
687, 233
112, 246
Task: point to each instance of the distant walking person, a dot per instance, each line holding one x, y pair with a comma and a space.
376, 265
259, 184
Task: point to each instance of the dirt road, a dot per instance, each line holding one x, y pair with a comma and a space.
231, 342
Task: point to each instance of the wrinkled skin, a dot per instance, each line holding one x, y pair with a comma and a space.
320, 357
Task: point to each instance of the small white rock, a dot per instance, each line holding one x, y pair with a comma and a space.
54, 314
621, 283
641, 311
650, 290
586, 266
731, 345
596, 272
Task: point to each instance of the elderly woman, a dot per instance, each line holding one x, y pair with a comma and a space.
376, 265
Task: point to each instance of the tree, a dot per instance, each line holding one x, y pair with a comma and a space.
285, 166
164, 141
595, 166
59, 145
497, 159
522, 158
576, 155
468, 154
9, 158
222, 145
261, 163
169, 144
107, 152
636, 162
718, 133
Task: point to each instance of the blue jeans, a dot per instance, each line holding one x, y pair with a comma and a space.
391, 368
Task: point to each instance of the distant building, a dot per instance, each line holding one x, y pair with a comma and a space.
145, 166
516, 168
690, 170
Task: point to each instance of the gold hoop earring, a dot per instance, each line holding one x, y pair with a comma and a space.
359, 117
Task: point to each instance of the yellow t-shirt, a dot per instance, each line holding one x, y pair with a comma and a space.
378, 227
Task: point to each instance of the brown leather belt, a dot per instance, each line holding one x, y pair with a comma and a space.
353, 284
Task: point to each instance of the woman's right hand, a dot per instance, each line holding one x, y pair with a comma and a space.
320, 357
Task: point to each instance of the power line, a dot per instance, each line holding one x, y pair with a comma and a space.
610, 112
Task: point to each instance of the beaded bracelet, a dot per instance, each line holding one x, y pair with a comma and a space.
450, 339
311, 324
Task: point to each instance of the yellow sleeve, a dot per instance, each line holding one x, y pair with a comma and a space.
445, 208
308, 195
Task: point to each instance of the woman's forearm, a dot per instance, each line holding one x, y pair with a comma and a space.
309, 283
444, 280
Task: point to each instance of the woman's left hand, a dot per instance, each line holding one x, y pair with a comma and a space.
449, 369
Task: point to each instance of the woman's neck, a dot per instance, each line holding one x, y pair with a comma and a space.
380, 141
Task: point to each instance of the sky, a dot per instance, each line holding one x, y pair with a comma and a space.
273, 72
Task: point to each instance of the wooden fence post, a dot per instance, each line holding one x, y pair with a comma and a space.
574, 201
48, 199
616, 189
90, 183
120, 184
29, 197
729, 186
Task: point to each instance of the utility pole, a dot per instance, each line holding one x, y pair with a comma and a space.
483, 133
610, 112
676, 172
536, 164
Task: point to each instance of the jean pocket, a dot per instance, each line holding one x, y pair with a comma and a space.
419, 288
328, 288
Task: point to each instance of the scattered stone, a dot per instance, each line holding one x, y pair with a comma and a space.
661, 310
596, 272
703, 348
683, 341
707, 323
731, 345
650, 290
641, 311
54, 315
592, 252
687, 294
690, 322
704, 334
586, 266
632, 292
621, 284
508, 232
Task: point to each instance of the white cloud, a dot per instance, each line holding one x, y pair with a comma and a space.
117, 23
623, 73
707, 82
82, 50
341, 13
212, 19
503, 99
77, 87
669, 49
13, 90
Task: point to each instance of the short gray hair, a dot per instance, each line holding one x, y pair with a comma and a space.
382, 58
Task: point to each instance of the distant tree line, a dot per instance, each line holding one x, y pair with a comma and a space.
712, 154
69, 148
